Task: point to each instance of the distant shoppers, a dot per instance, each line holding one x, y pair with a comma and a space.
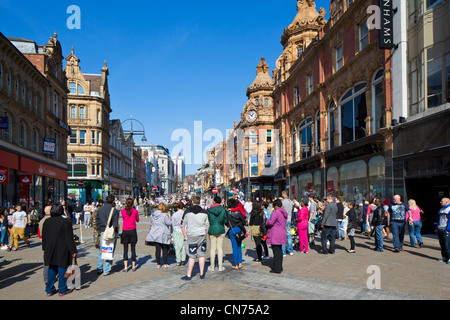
160, 234
218, 218
386, 229
19, 224
398, 211
313, 210
248, 206
352, 224
443, 230
256, 219
236, 223
3, 228
178, 238
378, 224
195, 228
329, 224
47, 215
129, 234
288, 206
78, 209
104, 266
415, 223
87, 214
302, 227
59, 249
276, 235
340, 217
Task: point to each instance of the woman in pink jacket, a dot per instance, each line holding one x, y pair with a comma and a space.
129, 235
302, 227
276, 234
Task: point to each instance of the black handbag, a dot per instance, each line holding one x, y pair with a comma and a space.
240, 236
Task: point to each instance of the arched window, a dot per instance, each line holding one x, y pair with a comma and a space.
353, 114
333, 116
305, 138
378, 101
81, 90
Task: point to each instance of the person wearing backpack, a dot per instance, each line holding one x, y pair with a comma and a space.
218, 218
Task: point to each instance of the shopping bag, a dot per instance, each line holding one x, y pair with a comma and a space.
107, 250
73, 276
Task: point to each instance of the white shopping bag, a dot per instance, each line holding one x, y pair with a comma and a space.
107, 250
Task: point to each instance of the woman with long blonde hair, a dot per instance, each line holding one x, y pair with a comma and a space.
414, 223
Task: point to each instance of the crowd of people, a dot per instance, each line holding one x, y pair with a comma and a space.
283, 224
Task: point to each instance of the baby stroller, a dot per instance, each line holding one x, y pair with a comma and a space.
295, 239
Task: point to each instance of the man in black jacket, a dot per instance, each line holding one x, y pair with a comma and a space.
340, 217
377, 223
101, 220
59, 249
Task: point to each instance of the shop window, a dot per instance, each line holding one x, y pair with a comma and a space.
332, 186
353, 181
317, 191
305, 185
377, 187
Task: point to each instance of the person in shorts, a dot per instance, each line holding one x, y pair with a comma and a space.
195, 225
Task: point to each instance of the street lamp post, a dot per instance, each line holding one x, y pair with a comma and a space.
132, 132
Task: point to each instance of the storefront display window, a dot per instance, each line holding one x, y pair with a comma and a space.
332, 181
317, 184
377, 187
305, 185
353, 181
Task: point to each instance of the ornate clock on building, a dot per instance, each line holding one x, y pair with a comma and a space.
252, 116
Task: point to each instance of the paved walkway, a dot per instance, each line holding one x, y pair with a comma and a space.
412, 274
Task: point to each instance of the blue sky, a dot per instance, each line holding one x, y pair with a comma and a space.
171, 62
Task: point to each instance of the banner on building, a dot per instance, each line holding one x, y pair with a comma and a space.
49, 146
4, 175
386, 35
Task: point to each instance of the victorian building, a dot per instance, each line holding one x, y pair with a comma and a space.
332, 104
88, 154
33, 122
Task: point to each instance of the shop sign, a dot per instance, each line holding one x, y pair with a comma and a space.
49, 146
386, 34
26, 178
4, 175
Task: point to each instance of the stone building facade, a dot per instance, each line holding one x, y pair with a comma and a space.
33, 130
88, 145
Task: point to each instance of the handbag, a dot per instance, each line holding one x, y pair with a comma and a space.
240, 236
109, 233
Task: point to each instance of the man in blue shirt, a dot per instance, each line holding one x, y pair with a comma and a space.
443, 229
397, 221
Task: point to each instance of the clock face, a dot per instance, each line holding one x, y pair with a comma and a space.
252, 115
